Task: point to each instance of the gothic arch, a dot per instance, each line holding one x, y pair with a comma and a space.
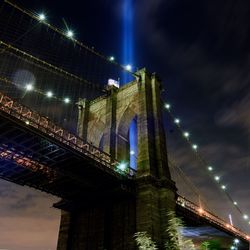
122, 145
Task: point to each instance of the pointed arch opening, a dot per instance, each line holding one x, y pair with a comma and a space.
127, 138
133, 143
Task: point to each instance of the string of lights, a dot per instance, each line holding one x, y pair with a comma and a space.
30, 87
42, 18
210, 169
44, 63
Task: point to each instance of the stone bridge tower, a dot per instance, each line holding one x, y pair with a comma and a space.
110, 223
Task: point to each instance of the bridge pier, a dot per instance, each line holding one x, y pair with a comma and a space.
98, 225
112, 222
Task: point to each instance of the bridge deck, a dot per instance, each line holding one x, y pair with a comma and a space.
187, 208
41, 157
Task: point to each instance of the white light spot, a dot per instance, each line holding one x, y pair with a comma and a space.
49, 94
41, 17
70, 33
111, 59
217, 178
236, 241
167, 106
210, 168
66, 100
29, 87
177, 121
245, 217
122, 166
128, 67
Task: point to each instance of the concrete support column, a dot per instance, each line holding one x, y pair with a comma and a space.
160, 138
155, 190
145, 125
99, 225
64, 231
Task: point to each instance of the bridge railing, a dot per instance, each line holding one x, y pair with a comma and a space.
44, 124
211, 217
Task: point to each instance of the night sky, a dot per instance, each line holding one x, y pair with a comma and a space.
200, 50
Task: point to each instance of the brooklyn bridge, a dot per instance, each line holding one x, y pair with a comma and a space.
95, 136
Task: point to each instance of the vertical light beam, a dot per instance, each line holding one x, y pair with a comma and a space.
128, 37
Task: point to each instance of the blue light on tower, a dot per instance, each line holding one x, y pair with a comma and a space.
127, 39
133, 143
128, 62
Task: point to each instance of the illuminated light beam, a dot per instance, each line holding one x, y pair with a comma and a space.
127, 37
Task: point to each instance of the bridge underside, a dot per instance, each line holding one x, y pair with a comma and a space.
30, 157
